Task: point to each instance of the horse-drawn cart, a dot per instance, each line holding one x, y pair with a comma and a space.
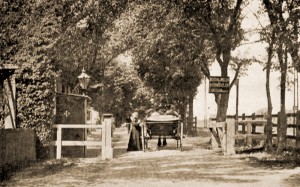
162, 126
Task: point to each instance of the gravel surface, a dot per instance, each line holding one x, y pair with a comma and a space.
196, 165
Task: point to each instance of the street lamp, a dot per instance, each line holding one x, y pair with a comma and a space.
84, 80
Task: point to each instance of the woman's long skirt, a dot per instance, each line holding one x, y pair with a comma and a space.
135, 141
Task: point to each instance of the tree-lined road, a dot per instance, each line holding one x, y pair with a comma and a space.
196, 165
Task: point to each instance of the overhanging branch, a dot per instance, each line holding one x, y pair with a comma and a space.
236, 75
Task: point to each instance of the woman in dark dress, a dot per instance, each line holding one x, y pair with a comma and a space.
135, 140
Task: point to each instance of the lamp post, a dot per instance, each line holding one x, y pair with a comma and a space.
84, 80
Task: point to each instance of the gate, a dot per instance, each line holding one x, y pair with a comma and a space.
70, 109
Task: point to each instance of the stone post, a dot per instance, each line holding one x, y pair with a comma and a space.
107, 150
59, 143
230, 138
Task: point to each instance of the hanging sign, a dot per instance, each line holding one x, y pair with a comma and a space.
218, 84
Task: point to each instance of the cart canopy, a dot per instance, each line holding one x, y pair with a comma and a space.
162, 118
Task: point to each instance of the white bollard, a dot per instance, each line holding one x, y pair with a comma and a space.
107, 150
230, 138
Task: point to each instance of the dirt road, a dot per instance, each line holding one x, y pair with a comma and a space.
196, 165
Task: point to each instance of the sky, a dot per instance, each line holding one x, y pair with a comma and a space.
252, 91
252, 94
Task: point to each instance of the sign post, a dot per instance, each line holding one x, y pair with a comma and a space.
218, 84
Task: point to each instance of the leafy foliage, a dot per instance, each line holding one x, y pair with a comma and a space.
122, 94
35, 87
83, 42
12, 15
54, 39
159, 43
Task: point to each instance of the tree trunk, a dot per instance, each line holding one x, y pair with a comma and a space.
281, 131
282, 123
221, 99
222, 104
269, 126
103, 90
183, 115
190, 118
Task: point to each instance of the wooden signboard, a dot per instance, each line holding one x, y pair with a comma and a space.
218, 84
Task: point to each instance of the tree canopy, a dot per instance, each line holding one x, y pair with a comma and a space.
172, 44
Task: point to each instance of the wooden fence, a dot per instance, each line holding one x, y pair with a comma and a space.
106, 143
249, 131
17, 146
250, 128
293, 123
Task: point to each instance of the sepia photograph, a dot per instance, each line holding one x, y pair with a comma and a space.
149, 93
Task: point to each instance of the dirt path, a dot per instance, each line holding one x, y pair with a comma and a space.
196, 165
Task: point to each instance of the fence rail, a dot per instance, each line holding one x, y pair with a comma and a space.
105, 143
249, 132
250, 129
291, 126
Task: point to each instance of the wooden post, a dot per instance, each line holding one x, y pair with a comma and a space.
230, 138
107, 151
103, 148
298, 130
51, 151
10, 92
85, 122
253, 128
181, 135
195, 125
253, 125
237, 105
1, 102
216, 135
143, 136
8, 88
236, 123
215, 142
278, 126
243, 125
223, 137
58, 142
249, 138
